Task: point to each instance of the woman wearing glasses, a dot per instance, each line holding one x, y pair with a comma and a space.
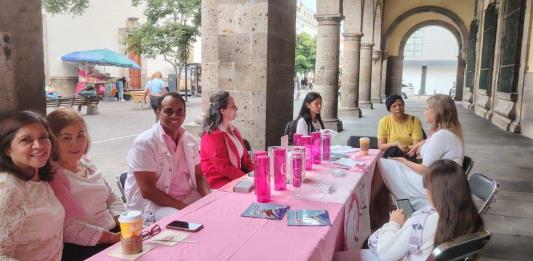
223, 154
31, 223
93, 208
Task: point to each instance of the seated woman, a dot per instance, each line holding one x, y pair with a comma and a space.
96, 226
31, 223
403, 177
451, 213
309, 119
89, 91
398, 128
223, 153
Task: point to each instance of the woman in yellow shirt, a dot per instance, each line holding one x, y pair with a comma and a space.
398, 128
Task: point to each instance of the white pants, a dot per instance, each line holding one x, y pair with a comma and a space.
403, 182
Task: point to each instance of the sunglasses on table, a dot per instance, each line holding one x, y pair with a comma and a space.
148, 233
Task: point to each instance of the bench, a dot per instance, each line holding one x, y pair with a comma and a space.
137, 98
90, 102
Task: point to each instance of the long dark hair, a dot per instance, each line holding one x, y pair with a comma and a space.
9, 127
213, 117
306, 114
452, 198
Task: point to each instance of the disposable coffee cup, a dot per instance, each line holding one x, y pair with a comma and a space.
364, 145
131, 231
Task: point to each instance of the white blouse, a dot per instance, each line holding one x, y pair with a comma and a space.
98, 201
238, 145
303, 128
31, 223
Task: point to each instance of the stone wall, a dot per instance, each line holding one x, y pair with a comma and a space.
248, 50
8, 99
22, 20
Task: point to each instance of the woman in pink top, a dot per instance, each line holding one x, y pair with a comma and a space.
94, 227
223, 153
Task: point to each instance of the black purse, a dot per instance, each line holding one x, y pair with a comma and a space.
395, 151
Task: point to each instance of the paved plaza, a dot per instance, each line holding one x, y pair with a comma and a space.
496, 153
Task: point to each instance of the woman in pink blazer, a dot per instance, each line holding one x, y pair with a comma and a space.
222, 151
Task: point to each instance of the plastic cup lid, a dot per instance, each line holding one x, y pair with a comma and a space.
130, 216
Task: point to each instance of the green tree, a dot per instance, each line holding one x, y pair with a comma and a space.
171, 28
74, 7
305, 53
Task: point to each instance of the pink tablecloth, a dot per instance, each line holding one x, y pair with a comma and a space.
228, 236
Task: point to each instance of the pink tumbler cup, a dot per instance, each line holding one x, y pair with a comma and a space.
297, 169
306, 142
326, 143
262, 179
315, 147
296, 139
280, 179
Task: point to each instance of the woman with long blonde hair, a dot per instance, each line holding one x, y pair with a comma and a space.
403, 177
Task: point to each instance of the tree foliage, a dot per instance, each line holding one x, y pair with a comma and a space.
74, 7
305, 57
170, 30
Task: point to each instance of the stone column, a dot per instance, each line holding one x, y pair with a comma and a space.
377, 61
365, 79
394, 75
8, 99
350, 75
375, 93
383, 83
327, 67
460, 78
248, 50
22, 58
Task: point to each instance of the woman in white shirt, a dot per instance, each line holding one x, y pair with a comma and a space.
309, 119
403, 177
451, 213
31, 217
95, 226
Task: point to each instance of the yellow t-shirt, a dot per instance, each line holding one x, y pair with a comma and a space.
404, 132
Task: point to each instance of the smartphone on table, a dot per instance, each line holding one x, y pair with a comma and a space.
406, 206
185, 226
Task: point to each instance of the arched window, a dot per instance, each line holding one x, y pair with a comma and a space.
471, 59
487, 51
510, 45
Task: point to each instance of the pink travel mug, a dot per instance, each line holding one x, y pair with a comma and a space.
256, 154
262, 179
280, 179
326, 143
296, 139
315, 147
297, 169
306, 142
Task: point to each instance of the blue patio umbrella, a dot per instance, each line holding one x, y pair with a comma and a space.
101, 57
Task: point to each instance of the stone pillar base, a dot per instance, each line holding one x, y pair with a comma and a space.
351, 112
92, 110
483, 105
366, 104
193, 128
334, 124
504, 114
376, 100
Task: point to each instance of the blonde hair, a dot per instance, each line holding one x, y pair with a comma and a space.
61, 118
157, 75
445, 114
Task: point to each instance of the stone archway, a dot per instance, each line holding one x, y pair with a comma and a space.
444, 18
